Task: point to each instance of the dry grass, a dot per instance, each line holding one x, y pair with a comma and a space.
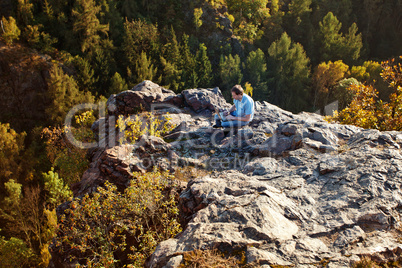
189, 172
214, 259
365, 262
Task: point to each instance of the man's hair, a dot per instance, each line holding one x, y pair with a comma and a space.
237, 89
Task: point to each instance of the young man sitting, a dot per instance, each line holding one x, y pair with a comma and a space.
240, 114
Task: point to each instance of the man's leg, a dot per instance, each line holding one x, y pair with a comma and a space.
231, 124
218, 122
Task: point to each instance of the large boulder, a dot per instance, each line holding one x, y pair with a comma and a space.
117, 164
201, 99
144, 96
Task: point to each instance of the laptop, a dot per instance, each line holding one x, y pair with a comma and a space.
221, 116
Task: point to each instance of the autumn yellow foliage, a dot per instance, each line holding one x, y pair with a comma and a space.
367, 110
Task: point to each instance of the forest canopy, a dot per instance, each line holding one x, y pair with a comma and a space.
301, 55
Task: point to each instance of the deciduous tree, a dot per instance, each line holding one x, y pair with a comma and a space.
368, 111
325, 78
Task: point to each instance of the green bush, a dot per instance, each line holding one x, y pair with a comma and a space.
113, 229
10, 30
14, 253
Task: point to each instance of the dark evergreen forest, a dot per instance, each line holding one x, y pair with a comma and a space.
298, 54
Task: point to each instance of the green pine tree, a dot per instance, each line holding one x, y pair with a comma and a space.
57, 191
256, 68
117, 85
334, 45
189, 76
109, 14
230, 73
64, 94
173, 49
139, 36
172, 63
171, 75
144, 69
85, 76
25, 12
289, 74
203, 67
10, 31
86, 25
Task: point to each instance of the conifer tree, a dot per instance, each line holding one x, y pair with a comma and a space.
139, 36
117, 85
64, 94
230, 72
189, 76
104, 66
57, 191
256, 67
86, 25
297, 23
203, 67
171, 64
85, 76
289, 74
352, 44
171, 75
10, 30
144, 69
173, 49
334, 45
110, 15
25, 12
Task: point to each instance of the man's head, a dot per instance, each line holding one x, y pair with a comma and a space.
237, 92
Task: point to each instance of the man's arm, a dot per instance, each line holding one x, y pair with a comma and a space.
232, 109
234, 118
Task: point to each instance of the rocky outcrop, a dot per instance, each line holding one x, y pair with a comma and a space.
150, 96
119, 163
287, 190
300, 209
141, 97
299, 191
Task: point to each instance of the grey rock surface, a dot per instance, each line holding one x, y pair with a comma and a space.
201, 99
288, 190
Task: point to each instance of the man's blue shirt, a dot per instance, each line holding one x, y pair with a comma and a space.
244, 107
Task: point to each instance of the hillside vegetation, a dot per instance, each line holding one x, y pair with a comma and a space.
298, 54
